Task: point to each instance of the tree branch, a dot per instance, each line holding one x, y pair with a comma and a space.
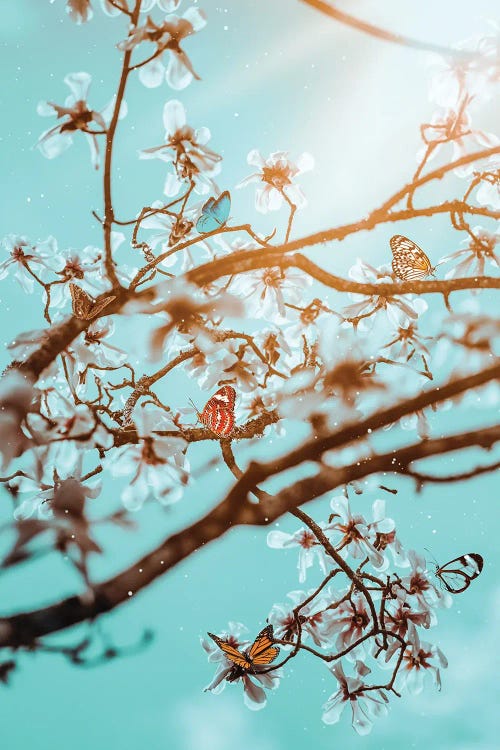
313, 449
108, 202
386, 36
25, 628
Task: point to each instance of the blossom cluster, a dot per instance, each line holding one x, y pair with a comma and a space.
309, 361
339, 619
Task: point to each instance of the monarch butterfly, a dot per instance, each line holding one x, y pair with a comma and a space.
261, 652
409, 262
218, 414
215, 213
84, 307
457, 575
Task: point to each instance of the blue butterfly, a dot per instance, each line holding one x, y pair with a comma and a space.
214, 213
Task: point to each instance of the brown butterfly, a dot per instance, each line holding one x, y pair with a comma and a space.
261, 652
218, 414
84, 306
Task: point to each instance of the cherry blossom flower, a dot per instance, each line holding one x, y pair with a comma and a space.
157, 464
83, 267
24, 256
92, 349
454, 77
70, 425
43, 491
274, 346
418, 661
168, 6
267, 290
406, 341
473, 258
399, 310
488, 193
454, 127
489, 48
365, 705
390, 541
311, 617
357, 533
171, 229
254, 404
418, 585
240, 366
308, 320
16, 396
76, 116
254, 695
208, 366
167, 37
348, 622
66, 498
309, 549
80, 11
403, 621
276, 179
186, 149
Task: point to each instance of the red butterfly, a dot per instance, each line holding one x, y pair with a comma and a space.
218, 414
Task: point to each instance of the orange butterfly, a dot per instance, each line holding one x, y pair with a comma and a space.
84, 307
261, 652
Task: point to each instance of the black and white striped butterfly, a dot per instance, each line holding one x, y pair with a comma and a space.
409, 262
457, 575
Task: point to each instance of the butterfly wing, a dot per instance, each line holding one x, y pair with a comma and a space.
409, 262
231, 653
98, 307
457, 575
214, 213
263, 651
84, 307
218, 414
81, 302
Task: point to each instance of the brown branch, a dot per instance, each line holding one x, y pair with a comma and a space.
396, 462
108, 202
338, 559
60, 336
422, 478
388, 289
313, 449
384, 35
251, 429
25, 628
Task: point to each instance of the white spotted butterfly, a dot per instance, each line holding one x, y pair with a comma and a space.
409, 262
84, 307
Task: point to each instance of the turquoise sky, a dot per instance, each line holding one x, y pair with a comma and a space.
276, 75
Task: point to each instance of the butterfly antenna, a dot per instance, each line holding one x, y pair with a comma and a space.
195, 408
441, 262
430, 553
